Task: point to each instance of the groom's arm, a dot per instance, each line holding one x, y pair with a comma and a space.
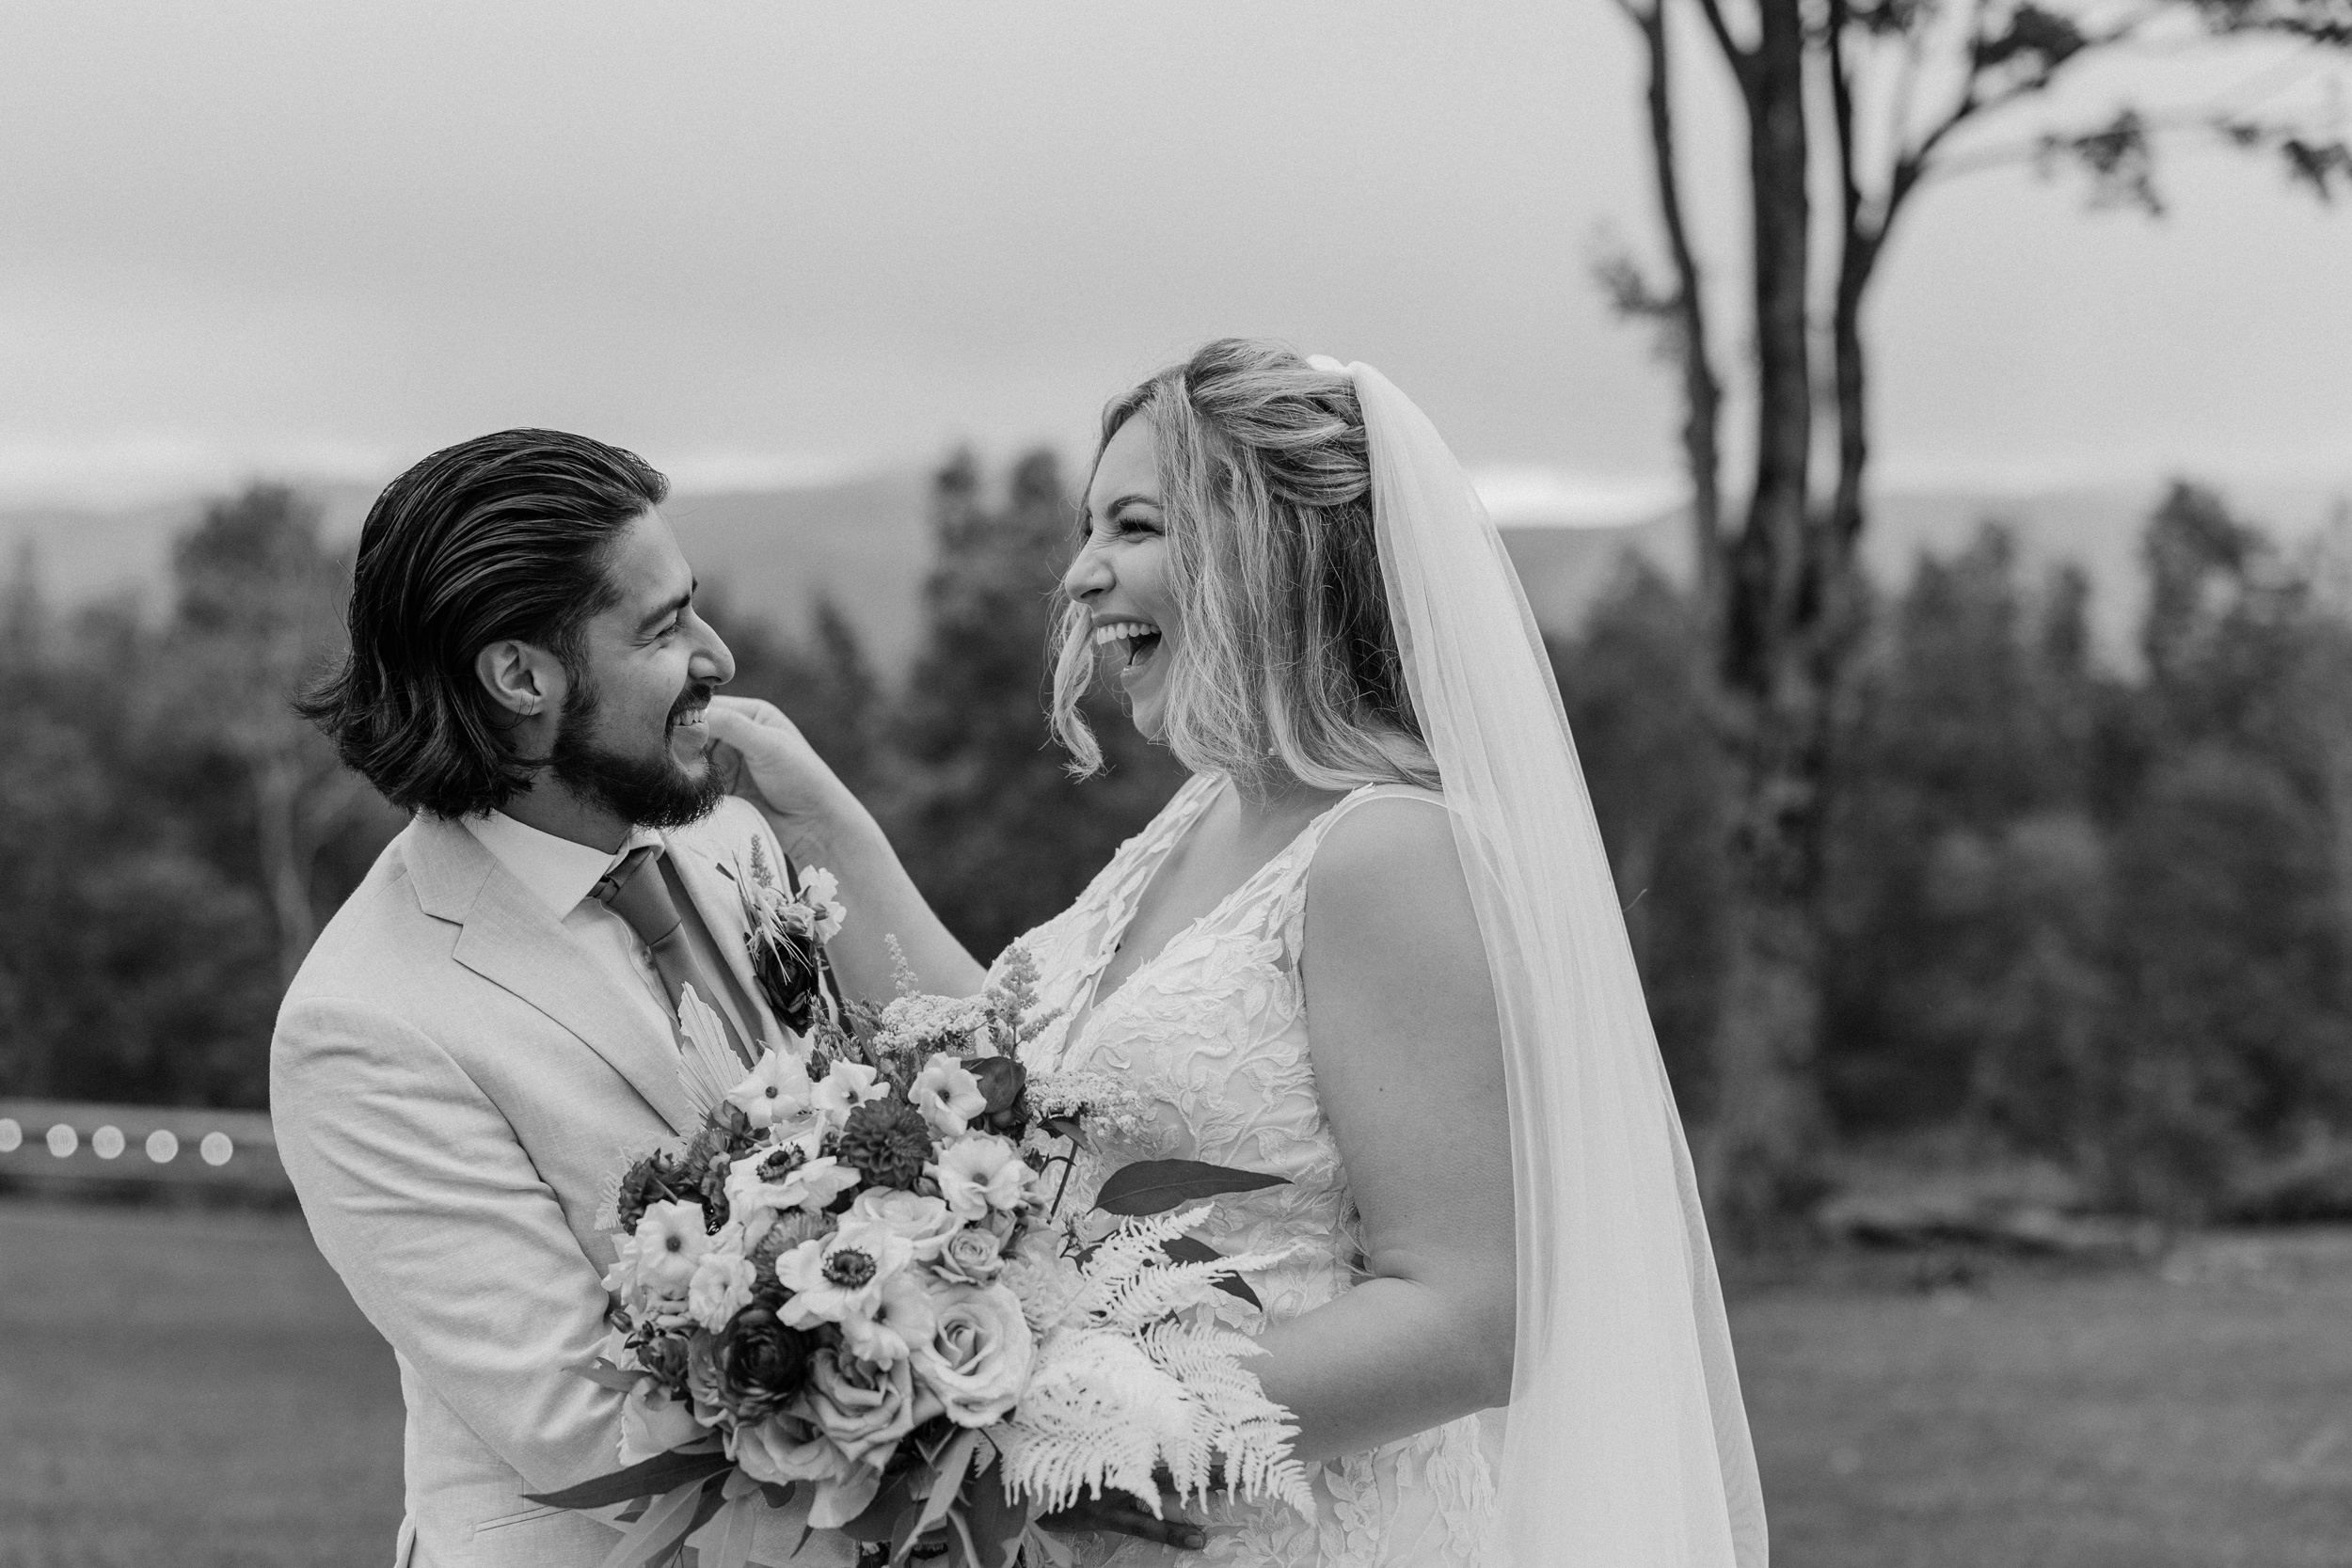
420, 1197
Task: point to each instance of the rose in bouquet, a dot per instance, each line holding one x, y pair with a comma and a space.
853, 1287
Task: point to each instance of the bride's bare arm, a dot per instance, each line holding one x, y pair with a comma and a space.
1409, 1064
819, 823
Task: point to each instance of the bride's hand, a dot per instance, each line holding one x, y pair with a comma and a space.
1119, 1514
763, 757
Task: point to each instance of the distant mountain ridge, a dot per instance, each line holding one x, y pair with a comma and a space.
866, 545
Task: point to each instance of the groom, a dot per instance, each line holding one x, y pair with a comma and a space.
485, 1032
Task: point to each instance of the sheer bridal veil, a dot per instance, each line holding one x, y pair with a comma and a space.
1627, 1445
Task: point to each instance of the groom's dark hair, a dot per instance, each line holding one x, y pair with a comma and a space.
503, 536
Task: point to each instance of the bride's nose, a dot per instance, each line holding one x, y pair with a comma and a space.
1088, 574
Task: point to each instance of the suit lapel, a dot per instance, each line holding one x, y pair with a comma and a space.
510, 940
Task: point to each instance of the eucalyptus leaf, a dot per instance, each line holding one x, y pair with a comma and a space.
655, 1536
1155, 1186
605, 1372
706, 1508
947, 1480
971, 1558
998, 1522
881, 1517
647, 1478
734, 1549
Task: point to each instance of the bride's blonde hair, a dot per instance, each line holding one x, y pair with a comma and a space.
1288, 661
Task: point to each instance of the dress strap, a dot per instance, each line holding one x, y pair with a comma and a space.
1290, 904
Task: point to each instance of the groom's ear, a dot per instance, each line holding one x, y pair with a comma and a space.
524, 679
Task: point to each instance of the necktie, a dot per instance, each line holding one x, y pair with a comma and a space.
637, 892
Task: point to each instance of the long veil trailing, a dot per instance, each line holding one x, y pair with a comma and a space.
1627, 1445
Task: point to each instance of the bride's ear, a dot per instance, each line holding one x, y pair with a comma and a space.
525, 681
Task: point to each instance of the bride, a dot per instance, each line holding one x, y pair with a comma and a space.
1372, 946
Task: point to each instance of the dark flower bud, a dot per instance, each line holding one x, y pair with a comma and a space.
757, 1362
1006, 1083
665, 1355
653, 1179
784, 964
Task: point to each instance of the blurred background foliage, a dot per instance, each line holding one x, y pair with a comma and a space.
2077, 915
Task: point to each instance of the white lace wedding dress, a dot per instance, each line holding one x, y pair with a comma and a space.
1213, 1029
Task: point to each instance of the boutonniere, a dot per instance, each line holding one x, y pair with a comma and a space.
786, 923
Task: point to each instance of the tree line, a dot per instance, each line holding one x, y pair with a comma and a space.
2092, 914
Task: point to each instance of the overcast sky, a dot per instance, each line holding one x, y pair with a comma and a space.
762, 241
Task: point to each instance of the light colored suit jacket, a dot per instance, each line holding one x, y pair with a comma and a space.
457, 1086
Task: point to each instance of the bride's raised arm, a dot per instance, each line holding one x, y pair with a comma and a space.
819, 823
1409, 1064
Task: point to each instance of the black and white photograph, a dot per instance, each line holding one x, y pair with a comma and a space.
1551, 783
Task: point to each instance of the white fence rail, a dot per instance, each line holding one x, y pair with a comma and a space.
84, 1141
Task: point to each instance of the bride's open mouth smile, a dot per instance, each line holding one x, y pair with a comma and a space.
1133, 643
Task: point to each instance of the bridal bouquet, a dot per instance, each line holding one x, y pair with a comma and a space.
852, 1285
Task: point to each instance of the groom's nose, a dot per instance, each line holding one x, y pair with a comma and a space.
712, 662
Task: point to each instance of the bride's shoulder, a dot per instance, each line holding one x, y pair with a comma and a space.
1386, 902
1392, 845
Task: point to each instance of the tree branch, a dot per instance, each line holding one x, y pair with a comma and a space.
1741, 59
1681, 312
1842, 115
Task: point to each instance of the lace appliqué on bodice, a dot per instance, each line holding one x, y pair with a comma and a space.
1213, 1029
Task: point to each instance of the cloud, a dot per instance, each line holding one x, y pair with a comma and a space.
138, 469
1533, 496
719, 472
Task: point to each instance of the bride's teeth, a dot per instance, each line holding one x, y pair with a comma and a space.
1118, 630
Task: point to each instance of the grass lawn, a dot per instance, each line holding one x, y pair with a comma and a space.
2197, 1414
194, 1388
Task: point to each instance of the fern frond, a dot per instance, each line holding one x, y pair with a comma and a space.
1233, 1417
1097, 1413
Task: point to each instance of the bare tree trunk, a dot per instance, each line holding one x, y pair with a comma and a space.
1776, 708
1858, 252
1702, 391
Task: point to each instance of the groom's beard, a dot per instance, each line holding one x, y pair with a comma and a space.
646, 791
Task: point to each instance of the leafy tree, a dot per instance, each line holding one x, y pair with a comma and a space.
1635, 686
1963, 870
257, 615
994, 830
131, 967
2234, 1003
2099, 920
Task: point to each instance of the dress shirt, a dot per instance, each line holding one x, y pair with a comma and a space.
560, 873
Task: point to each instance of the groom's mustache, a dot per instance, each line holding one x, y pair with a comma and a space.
693, 698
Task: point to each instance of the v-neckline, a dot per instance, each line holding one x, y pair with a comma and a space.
1116, 938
